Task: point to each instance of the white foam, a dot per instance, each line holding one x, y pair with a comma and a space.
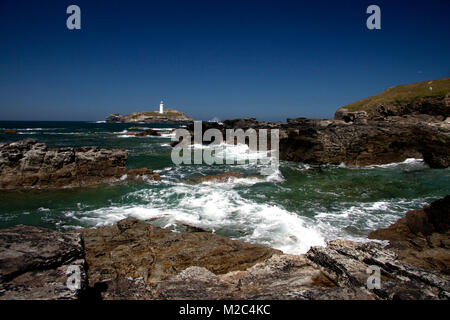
216, 208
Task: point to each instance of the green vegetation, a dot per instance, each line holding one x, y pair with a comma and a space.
167, 113
403, 94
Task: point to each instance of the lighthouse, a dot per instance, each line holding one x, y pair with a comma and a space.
161, 107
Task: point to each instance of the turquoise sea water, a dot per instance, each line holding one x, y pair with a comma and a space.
291, 210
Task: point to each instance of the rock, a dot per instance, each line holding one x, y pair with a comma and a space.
346, 263
9, 131
218, 178
136, 249
319, 142
34, 263
356, 117
148, 132
115, 117
336, 272
28, 163
122, 288
422, 237
169, 116
365, 144
138, 128
241, 123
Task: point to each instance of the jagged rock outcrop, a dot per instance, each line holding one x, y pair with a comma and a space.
35, 263
223, 177
28, 163
148, 132
136, 249
339, 271
422, 237
334, 142
317, 142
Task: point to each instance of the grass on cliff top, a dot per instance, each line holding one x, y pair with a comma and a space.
404, 93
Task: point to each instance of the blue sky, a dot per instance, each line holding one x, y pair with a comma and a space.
227, 59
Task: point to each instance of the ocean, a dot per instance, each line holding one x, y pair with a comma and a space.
293, 209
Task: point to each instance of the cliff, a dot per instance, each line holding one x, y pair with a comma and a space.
431, 98
169, 116
354, 143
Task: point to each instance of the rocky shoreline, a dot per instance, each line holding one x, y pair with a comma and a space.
30, 164
354, 142
135, 260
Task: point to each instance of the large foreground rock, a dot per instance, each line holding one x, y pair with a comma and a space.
28, 163
35, 263
136, 249
422, 237
338, 272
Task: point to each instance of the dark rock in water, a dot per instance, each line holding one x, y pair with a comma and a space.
364, 144
138, 128
356, 143
28, 163
133, 248
422, 237
223, 177
35, 263
9, 131
148, 132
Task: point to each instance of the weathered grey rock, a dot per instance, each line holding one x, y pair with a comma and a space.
148, 132
337, 272
347, 264
35, 263
136, 249
28, 163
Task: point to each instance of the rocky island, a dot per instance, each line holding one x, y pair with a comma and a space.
169, 116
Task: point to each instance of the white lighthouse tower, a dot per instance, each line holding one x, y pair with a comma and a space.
161, 107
